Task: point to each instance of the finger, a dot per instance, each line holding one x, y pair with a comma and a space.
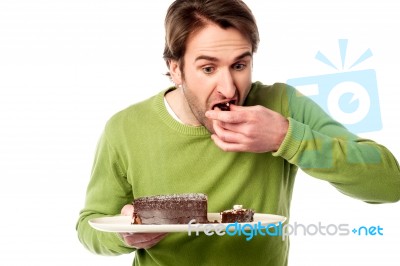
143, 240
232, 117
127, 210
143, 237
226, 135
234, 107
226, 146
234, 127
152, 243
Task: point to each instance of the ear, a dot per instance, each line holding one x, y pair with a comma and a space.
175, 72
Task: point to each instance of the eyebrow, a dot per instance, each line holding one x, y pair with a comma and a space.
214, 59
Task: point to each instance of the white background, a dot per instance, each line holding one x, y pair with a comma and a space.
67, 66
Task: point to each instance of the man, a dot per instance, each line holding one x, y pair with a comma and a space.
181, 141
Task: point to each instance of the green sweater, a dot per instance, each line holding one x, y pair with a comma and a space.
144, 151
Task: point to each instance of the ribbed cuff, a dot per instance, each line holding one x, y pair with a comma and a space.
292, 140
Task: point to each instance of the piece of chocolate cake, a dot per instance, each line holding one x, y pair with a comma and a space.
237, 214
170, 209
224, 106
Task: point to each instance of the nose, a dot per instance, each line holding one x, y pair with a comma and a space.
226, 85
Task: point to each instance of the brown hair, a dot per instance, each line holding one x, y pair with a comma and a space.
185, 17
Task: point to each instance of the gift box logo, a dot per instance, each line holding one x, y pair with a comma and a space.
350, 97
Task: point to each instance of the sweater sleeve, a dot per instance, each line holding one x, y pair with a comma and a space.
325, 149
108, 191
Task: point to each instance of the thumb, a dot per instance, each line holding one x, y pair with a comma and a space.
127, 210
234, 107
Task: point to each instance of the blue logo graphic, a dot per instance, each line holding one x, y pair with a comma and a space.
349, 97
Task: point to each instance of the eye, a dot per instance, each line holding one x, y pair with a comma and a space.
208, 70
239, 66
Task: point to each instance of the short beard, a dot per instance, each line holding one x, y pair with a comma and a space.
198, 112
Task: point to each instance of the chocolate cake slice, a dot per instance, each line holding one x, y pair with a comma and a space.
170, 209
224, 106
237, 214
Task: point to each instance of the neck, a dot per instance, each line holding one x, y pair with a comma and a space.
179, 105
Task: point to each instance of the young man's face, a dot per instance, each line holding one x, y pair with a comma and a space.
217, 69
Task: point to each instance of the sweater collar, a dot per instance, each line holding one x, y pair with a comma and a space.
171, 122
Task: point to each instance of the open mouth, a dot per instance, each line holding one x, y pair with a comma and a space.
224, 106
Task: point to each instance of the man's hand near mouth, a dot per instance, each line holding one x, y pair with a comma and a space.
248, 129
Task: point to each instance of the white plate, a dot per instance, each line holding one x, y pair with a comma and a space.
122, 224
